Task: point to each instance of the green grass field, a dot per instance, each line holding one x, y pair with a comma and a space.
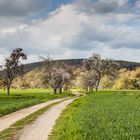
24, 98
101, 116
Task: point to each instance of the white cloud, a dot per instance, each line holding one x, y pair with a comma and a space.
74, 31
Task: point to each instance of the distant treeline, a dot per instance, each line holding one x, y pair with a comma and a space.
128, 78
77, 63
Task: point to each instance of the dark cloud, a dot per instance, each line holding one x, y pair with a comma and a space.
98, 7
104, 7
19, 7
126, 43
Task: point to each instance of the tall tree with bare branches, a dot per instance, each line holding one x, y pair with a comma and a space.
13, 67
101, 67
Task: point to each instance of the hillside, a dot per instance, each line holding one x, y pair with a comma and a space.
77, 63
35, 72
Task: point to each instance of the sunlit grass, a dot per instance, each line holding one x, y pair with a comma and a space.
25, 91
104, 116
24, 98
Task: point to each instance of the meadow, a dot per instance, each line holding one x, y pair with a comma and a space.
20, 99
106, 115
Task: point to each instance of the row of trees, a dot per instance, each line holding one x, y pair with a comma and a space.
95, 72
56, 75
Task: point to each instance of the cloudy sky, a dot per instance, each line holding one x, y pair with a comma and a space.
71, 28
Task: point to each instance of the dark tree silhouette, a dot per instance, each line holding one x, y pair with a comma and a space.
13, 67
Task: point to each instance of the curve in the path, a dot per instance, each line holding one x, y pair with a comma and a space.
8, 120
42, 127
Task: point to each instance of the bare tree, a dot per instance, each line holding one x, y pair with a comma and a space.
13, 67
89, 79
67, 81
101, 67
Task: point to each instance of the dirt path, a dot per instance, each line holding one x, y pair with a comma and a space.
8, 120
42, 127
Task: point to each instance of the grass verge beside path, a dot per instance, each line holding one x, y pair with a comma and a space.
20, 99
14, 131
101, 116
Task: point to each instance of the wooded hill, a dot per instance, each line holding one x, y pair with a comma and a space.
77, 63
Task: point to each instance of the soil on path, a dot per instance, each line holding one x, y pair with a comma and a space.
8, 120
42, 127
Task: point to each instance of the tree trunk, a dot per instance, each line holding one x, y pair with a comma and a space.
8, 90
92, 88
9, 83
98, 82
96, 89
60, 90
54, 91
66, 89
